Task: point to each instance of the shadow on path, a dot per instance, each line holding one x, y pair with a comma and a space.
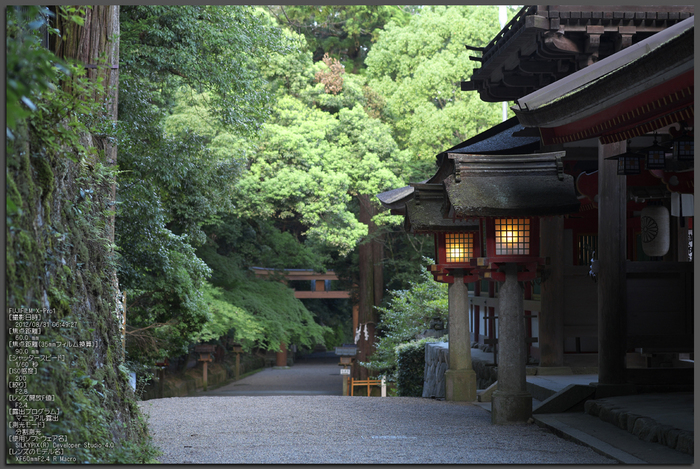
314, 374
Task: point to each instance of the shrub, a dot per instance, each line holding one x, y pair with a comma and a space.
411, 366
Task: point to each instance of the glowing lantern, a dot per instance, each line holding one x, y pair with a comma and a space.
512, 238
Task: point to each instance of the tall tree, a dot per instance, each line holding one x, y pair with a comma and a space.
345, 32
60, 177
193, 88
417, 68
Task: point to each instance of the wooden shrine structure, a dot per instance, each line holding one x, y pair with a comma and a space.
597, 83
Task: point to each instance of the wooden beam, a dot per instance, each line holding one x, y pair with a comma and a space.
321, 294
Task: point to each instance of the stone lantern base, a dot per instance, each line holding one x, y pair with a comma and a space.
460, 385
509, 408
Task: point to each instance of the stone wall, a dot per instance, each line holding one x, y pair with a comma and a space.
437, 362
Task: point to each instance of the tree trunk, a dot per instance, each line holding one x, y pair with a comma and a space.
96, 45
371, 285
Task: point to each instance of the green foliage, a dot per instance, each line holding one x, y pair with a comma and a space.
268, 307
212, 48
225, 319
411, 367
343, 31
407, 314
31, 68
317, 151
417, 68
190, 85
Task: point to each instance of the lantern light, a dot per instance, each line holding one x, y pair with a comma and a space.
656, 156
684, 148
459, 247
512, 236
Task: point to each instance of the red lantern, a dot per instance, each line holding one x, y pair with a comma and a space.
512, 239
455, 250
509, 239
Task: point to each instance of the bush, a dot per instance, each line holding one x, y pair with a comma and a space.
411, 366
407, 314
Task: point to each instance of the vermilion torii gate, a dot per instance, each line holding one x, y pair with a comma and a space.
320, 284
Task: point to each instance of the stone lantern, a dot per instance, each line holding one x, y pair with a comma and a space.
454, 250
484, 211
507, 194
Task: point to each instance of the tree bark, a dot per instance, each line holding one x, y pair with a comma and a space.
96, 45
371, 285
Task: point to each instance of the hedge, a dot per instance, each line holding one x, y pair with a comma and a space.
411, 367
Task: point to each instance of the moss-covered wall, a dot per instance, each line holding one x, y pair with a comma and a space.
60, 270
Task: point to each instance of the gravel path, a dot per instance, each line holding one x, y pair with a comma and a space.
326, 429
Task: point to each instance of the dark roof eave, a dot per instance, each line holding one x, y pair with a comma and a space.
669, 59
396, 198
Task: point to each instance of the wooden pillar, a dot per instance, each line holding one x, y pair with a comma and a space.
238, 365
355, 318
551, 316
612, 283
281, 356
477, 312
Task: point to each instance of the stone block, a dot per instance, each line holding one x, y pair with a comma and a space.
643, 427
631, 419
606, 414
592, 407
440, 371
565, 399
508, 409
685, 441
460, 385
667, 435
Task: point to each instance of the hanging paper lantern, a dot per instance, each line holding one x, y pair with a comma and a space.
656, 236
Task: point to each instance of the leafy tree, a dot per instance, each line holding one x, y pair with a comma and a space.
345, 32
173, 183
211, 48
417, 68
407, 314
309, 163
259, 313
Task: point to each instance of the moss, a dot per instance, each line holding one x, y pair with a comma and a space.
46, 182
93, 398
12, 192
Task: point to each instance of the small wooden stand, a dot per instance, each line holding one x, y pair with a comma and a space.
237, 349
368, 383
205, 352
346, 363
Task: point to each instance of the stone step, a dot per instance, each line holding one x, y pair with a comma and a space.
646, 428
568, 399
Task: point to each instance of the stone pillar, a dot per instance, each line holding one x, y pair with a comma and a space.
511, 403
460, 378
612, 282
551, 315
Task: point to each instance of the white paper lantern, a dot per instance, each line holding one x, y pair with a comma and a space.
656, 236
